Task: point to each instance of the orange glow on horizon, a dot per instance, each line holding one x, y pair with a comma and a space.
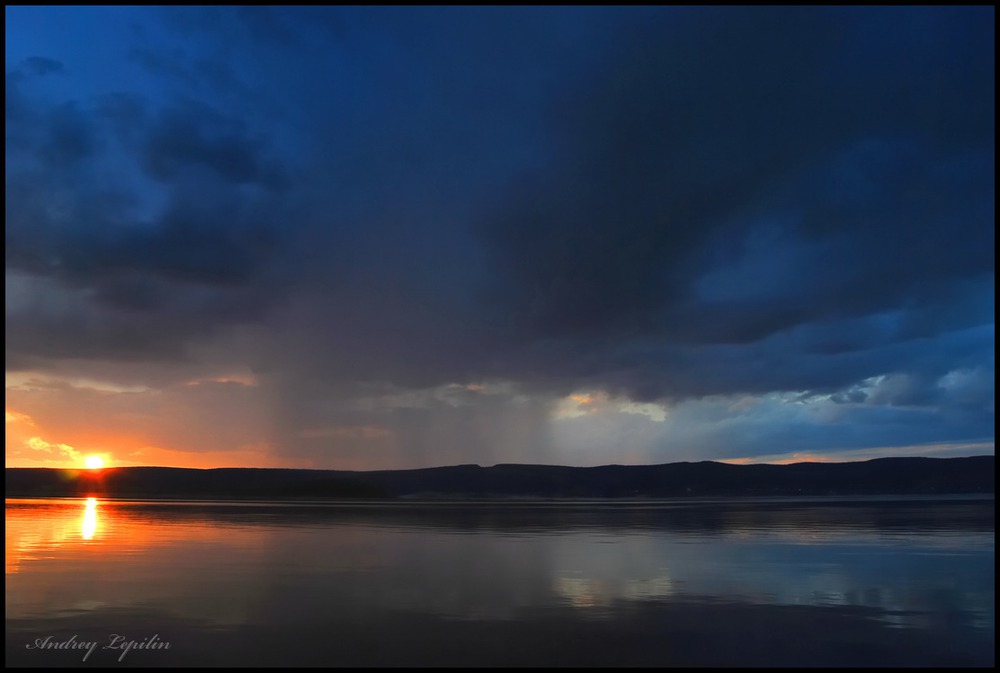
27, 450
784, 460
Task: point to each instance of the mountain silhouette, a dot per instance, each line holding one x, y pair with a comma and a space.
882, 476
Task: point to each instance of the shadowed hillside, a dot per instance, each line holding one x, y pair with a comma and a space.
172, 482
884, 476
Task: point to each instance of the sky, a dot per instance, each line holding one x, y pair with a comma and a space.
376, 238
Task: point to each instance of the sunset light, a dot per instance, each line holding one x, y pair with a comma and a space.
93, 462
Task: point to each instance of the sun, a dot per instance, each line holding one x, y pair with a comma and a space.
93, 462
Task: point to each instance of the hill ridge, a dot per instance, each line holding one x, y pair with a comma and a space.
878, 476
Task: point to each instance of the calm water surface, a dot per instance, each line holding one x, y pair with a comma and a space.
726, 583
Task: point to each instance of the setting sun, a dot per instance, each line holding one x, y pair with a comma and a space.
93, 462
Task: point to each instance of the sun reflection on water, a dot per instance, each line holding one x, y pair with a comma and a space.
89, 527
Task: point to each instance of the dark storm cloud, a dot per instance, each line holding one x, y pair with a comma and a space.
662, 203
194, 135
684, 123
681, 140
703, 134
132, 283
39, 65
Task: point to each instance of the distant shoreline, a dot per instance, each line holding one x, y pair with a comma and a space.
529, 503
883, 477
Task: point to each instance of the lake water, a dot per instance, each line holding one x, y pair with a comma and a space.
857, 582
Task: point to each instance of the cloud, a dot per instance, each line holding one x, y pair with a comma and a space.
193, 135
372, 209
101, 264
